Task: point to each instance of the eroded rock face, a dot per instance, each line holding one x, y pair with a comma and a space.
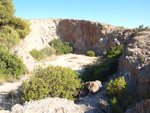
136, 62
42, 32
142, 107
84, 36
88, 35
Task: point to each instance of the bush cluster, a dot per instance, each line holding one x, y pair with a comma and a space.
11, 28
51, 82
61, 48
21, 26
115, 51
116, 88
10, 65
91, 53
8, 37
105, 69
37, 55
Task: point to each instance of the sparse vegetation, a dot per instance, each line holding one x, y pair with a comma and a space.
48, 51
115, 106
103, 70
91, 53
51, 82
61, 48
37, 55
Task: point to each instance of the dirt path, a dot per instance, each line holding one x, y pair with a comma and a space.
71, 60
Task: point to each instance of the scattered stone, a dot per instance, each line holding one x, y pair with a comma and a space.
105, 106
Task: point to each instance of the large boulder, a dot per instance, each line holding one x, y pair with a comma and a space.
93, 86
84, 35
135, 64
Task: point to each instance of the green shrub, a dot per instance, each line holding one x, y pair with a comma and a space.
51, 82
21, 26
61, 48
115, 107
10, 65
115, 51
37, 55
100, 71
116, 88
48, 51
91, 53
105, 69
8, 37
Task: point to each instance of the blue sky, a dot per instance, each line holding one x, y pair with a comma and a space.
127, 13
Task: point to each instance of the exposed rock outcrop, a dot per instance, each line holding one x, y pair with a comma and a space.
51, 105
142, 107
136, 62
42, 32
88, 35
84, 35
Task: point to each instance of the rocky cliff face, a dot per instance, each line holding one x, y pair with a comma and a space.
136, 62
84, 35
88, 35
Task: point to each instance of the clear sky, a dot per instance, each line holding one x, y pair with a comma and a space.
127, 13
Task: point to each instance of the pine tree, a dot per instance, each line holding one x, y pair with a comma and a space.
6, 11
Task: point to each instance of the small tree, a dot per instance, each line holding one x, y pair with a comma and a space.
6, 11
117, 87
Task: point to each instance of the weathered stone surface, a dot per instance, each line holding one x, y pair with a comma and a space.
88, 35
105, 106
84, 35
142, 107
136, 62
50, 105
93, 86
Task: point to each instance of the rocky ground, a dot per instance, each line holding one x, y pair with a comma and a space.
87, 104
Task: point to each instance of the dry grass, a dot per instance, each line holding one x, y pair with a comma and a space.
51, 58
74, 57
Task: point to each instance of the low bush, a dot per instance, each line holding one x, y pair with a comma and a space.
91, 53
61, 48
115, 51
115, 107
10, 65
105, 69
51, 82
116, 88
48, 51
37, 55
8, 37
